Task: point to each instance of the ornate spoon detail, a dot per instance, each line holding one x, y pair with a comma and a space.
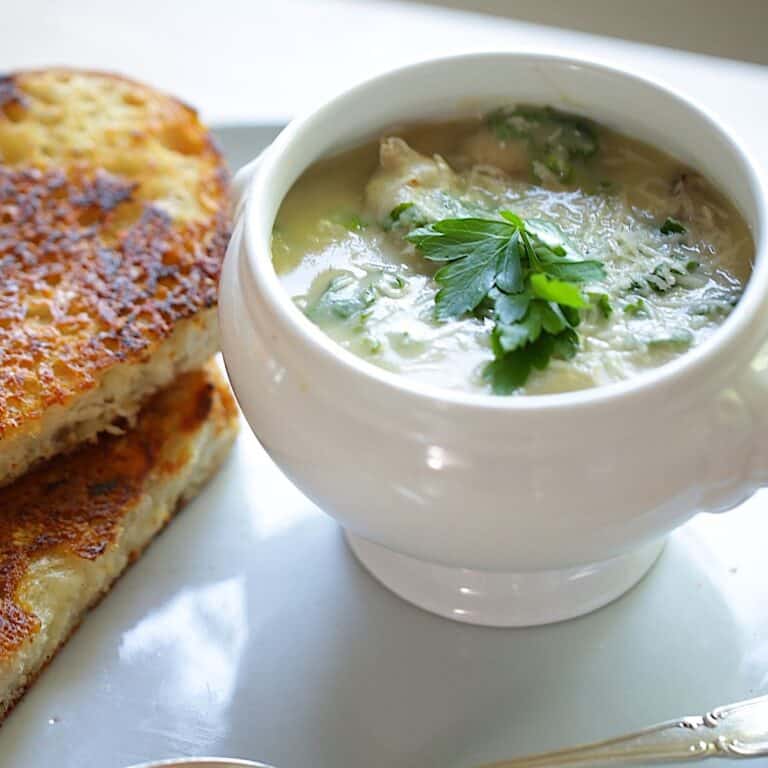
734, 731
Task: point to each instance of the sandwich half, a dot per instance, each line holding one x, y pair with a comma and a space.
114, 218
70, 527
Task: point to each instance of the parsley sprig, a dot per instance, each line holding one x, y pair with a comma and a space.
520, 275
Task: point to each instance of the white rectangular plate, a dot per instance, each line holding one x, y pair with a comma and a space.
248, 630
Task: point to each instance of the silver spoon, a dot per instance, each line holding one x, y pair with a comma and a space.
734, 731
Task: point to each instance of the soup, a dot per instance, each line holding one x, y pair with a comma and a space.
529, 251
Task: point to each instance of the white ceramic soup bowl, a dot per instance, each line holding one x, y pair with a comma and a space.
498, 510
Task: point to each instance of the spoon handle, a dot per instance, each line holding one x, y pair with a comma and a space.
734, 731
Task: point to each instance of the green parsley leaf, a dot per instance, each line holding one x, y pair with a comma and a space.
672, 226
572, 315
512, 218
508, 373
502, 269
541, 350
506, 338
552, 318
587, 271
509, 274
566, 344
511, 308
452, 239
464, 283
558, 291
552, 236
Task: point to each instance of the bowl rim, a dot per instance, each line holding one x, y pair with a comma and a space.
218, 762
691, 365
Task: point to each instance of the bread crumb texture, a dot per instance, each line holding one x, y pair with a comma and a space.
114, 219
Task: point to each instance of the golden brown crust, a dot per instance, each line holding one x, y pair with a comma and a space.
75, 504
18, 694
109, 233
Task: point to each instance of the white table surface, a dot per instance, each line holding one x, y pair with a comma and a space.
248, 629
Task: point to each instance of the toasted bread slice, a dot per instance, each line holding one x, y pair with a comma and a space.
114, 218
72, 525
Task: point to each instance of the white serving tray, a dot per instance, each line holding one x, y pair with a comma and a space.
249, 630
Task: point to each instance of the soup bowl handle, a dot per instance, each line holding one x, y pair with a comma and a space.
241, 183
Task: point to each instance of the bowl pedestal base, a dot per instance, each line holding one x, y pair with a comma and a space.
499, 599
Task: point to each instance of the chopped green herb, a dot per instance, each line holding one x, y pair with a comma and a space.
663, 277
603, 303
715, 302
339, 302
399, 210
555, 139
529, 285
636, 307
558, 161
545, 126
672, 226
350, 221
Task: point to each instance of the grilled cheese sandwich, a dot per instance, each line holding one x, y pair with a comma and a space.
114, 218
71, 526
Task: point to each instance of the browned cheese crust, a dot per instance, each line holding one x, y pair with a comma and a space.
113, 225
77, 504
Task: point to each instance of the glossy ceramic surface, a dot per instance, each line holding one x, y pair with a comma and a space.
505, 599
249, 630
532, 489
202, 762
